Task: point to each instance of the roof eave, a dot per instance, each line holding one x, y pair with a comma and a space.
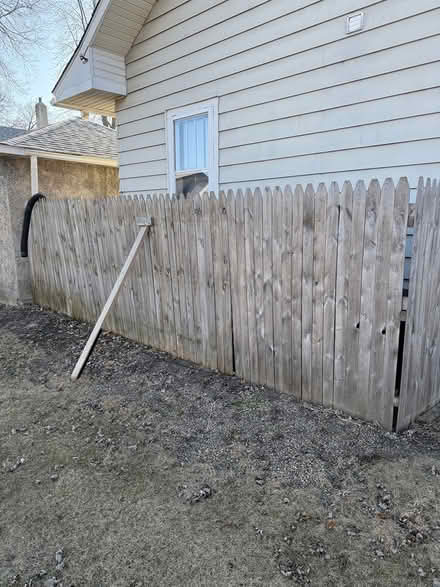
75, 104
73, 158
84, 85
89, 34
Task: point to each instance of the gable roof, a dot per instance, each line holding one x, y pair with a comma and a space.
72, 137
113, 28
9, 132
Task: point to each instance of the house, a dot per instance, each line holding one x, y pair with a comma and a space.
70, 158
67, 159
242, 93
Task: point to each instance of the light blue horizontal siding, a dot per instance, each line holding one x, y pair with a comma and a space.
299, 100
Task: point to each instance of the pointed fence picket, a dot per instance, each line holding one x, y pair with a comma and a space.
297, 289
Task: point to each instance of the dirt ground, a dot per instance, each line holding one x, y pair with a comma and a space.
151, 471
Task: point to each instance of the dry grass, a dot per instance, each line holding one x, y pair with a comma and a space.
300, 494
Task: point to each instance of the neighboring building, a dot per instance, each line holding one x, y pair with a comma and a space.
73, 158
263, 92
68, 159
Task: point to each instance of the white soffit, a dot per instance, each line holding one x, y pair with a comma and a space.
88, 84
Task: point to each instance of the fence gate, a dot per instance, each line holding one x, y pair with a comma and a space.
421, 362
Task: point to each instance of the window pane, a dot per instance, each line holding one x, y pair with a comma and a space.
192, 143
191, 184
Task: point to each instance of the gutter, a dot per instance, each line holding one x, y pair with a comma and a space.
87, 159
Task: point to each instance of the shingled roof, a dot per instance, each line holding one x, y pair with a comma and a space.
71, 137
9, 132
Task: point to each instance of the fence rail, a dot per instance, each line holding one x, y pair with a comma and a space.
295, 289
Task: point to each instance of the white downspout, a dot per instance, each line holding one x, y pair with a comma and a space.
34, 175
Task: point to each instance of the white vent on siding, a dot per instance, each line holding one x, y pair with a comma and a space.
355, 22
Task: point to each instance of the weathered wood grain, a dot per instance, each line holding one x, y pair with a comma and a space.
250, 285
387, 392
298, 291
269, 377
408, 399
307, 292
351, 401
277, 285
297, 294
377, 386
367, 296
225, 316
259, 284
235, 283
330, 280
342, 293
319, 254
286, 383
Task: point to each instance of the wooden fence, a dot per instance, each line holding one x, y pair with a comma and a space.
298, 290
420, 388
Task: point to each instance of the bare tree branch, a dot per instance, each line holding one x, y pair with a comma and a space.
20, 30
25, 117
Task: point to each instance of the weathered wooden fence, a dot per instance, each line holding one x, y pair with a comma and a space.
298, 290
420, 388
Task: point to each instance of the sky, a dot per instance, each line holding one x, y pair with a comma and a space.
39, 73
38, 77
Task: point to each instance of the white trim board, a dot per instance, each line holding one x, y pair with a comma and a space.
85, 159
209, 107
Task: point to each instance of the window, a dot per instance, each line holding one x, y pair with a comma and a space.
193, 149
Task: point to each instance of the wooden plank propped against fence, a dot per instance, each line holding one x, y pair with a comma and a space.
145, 224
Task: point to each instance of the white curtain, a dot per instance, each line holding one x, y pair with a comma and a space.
191, 138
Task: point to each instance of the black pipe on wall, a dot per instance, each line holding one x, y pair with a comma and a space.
27, 223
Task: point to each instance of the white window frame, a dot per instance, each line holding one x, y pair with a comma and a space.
209, 107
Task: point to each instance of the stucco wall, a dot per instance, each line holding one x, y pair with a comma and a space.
15, 285
8, 277
62, 179
57, 179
